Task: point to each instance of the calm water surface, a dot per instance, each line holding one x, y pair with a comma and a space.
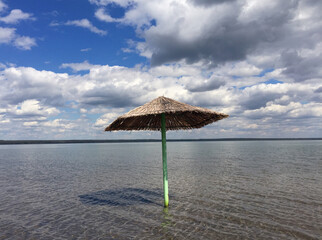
218, 190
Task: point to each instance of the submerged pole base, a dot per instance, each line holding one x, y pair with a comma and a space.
166, 204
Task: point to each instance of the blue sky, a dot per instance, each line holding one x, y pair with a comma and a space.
68, 68
63, 43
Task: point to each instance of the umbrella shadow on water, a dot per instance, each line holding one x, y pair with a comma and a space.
123, 197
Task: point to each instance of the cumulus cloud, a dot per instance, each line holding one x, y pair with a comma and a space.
105, 119
25, 43
258, 61
60, 123
301, 68
292, 110
220, 32
242, 69
31, 108
55, 128
38, 99
7, 34
116, 86
85, 23
21, 84
15, 16
206, 84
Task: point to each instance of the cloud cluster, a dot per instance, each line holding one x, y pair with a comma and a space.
287, 33
15, 16
9, 35
258, 61
36, 99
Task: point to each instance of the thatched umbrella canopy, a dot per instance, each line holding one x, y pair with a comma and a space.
165, 114
178, 116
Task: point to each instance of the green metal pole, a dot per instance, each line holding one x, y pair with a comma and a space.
164, 161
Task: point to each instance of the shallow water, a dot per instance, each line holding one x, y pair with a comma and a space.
218, 190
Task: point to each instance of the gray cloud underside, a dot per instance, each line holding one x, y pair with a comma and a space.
318, 90
200, 86
207, 3
301, 68
232, 40
219, 32
108, 98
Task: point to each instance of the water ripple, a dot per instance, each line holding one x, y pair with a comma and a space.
218, 190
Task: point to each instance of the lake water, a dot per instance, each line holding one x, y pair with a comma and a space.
218, 190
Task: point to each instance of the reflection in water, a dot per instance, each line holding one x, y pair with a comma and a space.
167, 228
167, 219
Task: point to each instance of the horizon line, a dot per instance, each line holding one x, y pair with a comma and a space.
66, 141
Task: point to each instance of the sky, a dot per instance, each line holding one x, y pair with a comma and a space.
68, 68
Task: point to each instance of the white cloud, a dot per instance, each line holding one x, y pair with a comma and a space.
57, 126
105, 119
263, 34
292, 110
20, 84
83, 110
31, 124
243, 69
214, 50
2, 66
7, 34
85, 23
15, 16
307, 111
101, 15
79, 66
176, 70
85, 49
28, 95
2, 6
54, 24
25, 43
32, 108
59, 123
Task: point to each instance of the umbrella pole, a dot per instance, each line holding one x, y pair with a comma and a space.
164, 161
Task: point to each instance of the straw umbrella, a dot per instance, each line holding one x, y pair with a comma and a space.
165, 114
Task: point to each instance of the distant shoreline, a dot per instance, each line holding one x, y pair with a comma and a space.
9, 142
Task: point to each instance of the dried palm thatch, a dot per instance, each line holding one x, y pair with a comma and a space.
178, 116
